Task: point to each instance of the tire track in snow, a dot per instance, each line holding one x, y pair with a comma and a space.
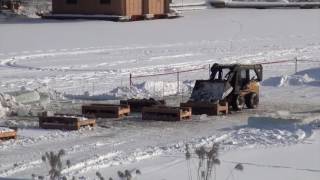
89, 50
171, 57
55, 136
248, 58
87, 165
18, 167
244, 137
12, 61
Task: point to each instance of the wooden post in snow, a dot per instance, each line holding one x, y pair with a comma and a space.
178, 82
130, 81
296, 64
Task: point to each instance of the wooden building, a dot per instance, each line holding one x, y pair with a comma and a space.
111, 7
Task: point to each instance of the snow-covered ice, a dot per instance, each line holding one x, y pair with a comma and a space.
56, 64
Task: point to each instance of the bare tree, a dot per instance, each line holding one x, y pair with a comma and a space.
125, 175
128, 174
98, 174
55, 164
208, 159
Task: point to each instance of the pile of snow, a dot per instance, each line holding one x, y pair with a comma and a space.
309, 77
9, 106
26, 102
263, 131
25, 96
32, 8
6, 16
28, 11
41, 95
145, 89
153, 89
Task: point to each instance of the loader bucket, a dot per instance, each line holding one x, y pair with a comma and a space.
210, 91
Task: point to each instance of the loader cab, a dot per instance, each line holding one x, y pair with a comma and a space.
244, 79
221, 73
239, 76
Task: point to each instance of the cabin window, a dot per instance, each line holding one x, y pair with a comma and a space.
253, 75
105, 1
72, 1
243, 74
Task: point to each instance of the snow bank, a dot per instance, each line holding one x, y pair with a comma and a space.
266, 130
157, 88
261, 132
25, 96
145, 89
41, 95
32, 8
9, 106
312, 73
29, 11
309, 77
26, 102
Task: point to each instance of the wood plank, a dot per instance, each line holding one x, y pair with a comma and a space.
65, 123
106, 110
165, 113
136, 105
215, 109
8, 135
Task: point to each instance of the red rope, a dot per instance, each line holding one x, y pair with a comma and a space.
308, 61
277, 62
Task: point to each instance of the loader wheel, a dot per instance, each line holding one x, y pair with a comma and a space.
238, 103
252, 100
